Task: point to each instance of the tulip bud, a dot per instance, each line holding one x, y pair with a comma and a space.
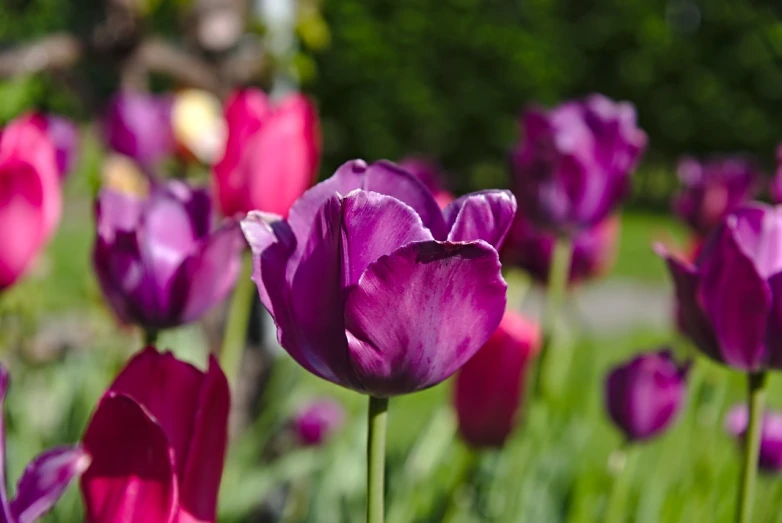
271, 154
138, 125
158, 262
573, 165
30, 196
644, 395
731, 298
157, 440
712, 189
488, 389
770, 458
318, 420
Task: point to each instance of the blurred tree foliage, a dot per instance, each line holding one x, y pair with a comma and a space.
449, 77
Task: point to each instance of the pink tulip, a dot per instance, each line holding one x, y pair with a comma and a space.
271, 155
488, 389
157, 443
30, 196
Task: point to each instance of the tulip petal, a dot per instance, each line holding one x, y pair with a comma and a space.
695, 323
317, 301
196, 202
420, 313
44, 481
375, 225
131, 477
116, 211
207, 277
168, 237
757, 229
272, 244
24, 141
169, 390
382, 177
485, 215
774, 332
21, 219
205, 458
302, 290
737, 301
280, 160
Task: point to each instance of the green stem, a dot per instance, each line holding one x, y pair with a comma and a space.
559, 272
150, 337
376, 458
756, 398
235, 335
617, 504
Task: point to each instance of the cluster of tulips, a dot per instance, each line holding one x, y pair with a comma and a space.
378, 280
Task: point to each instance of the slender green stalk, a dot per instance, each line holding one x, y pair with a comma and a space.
756, 399
235, 334
376, 458
557, 284
150, 337
623, 475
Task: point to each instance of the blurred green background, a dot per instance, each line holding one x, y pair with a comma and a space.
448, 78
445, 78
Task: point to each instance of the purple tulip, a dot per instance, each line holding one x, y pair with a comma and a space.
644, 395
156, 259
318, 420
373, 287
711, 189
139, 125
594, 249
43, 481
770, 458
573, 166
730, 300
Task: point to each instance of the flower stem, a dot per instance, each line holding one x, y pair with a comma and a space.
235, 334
559, 273
150, 337
756, 398
376, 458
622, 462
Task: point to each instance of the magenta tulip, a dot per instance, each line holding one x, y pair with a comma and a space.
432, 177
158, 261
770, 458
30, 196
730, 299
373, 287
318, 420
573, 165
644, 395
488, 389
138, 125
711, 189
594, 249
43, 481
157, 442
271, 156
